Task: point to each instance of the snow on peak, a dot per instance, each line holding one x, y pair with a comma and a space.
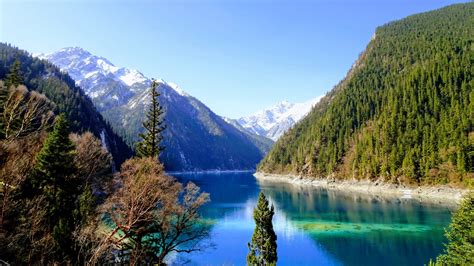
84, 66
101, 79
73, 49
130, 76
176, 88
272, 122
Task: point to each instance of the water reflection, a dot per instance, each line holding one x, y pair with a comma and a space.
372, 229
318, 227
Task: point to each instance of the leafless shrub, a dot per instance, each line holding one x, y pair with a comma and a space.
92, 160
17, 159
25, 112
151, 215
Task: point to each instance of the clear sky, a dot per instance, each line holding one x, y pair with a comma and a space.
236, 56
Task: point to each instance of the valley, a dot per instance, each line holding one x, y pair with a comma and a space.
261, 158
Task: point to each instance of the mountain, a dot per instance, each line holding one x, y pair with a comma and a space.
59, 88
195, 137
403, 114
106, 84
272, 122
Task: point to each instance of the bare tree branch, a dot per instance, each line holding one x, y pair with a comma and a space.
154, 214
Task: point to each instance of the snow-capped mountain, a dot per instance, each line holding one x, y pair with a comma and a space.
106, 84
272, 122
195, 138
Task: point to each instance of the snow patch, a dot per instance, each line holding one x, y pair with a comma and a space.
131, 76
274, 121
176, 88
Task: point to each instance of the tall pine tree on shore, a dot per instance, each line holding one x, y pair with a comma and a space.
152, 137
263, 248
53, 178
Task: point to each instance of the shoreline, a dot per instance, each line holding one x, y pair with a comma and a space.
439, 193
208, 172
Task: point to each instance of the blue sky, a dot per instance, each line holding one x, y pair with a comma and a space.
237, 56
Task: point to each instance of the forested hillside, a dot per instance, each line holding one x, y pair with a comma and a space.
404, 112
41, 76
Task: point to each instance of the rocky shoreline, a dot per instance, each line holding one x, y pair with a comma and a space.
443, 194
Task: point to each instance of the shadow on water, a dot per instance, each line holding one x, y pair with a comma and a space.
317, 226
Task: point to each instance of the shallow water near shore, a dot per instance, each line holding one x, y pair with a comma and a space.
316, 226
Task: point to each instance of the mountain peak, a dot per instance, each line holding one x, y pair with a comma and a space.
74, 49
89, 70
176, 88
273, 121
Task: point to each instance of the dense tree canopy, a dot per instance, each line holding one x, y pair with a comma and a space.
405, 111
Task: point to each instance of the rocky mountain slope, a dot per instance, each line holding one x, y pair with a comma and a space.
195, 138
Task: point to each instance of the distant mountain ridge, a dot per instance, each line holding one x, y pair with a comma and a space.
195, 138
272, 122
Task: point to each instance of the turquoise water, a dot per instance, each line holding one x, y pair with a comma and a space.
316, 226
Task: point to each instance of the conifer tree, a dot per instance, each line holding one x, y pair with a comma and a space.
460, 248
53, 179
152, 137
263, 248
14, 78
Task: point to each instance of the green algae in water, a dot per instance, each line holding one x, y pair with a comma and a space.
328, 227
317, 226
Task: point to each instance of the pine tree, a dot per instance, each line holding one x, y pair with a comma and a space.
14, 78
52, 178
460, 248
152, 137
263, 248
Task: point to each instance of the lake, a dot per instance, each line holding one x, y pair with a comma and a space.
317, 226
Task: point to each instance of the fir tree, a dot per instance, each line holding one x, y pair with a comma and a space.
53, 179
263, 248
152, 137
460, 248
14, 78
